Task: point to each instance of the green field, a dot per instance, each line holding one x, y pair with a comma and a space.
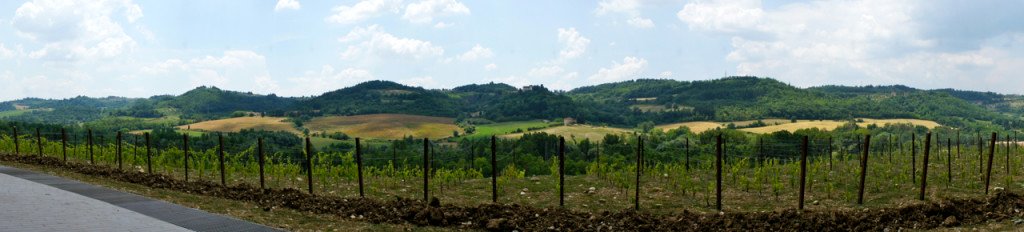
505, 128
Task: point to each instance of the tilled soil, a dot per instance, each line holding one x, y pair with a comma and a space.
508, 217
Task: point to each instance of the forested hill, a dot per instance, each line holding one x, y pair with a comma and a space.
746, 98
374, 97
214, 102
625, 103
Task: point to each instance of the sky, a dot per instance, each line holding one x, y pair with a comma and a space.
67, 48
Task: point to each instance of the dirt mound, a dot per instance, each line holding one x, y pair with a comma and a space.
507, 217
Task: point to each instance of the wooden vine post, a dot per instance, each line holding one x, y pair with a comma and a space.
119, 158
220, 158
494, 169
184, 147
64, 143
426, 170
359, 166
259, 155
991, 154
17, 147
863, 168
561, 172
688, 154
924, 165
149, 156
639, 160
91, 159
803, 173
39, 142
309, 166
949, 161
718, 172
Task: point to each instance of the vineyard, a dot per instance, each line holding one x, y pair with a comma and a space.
707, 172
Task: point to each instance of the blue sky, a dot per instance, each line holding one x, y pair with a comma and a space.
59, 49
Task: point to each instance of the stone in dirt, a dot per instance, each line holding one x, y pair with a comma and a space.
496, 224
950, 221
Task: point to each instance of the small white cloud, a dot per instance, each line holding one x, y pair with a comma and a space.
574, 43
476, 53
361, 11
442, 25
373, 40
629, 68
722, 15
287, 5
639, 22
490, 67
626, 9
425, 11
617, 6
5, 52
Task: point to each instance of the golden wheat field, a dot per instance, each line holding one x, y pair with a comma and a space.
240, 123
385, 126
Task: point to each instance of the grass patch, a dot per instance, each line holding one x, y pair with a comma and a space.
502, 128
578, 132
19, 112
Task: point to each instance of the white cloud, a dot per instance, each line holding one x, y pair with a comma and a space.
74, 30
362, 10
841, 42
490, 67
574, 43
476, 53
722, 15
640, 22
373, 40
630, 68
324, 80
5, 53
425, 11
629, 9
442, 25
287, 5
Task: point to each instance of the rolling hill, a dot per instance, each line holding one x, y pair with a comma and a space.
622, 104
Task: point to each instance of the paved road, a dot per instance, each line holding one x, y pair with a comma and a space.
32, 201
